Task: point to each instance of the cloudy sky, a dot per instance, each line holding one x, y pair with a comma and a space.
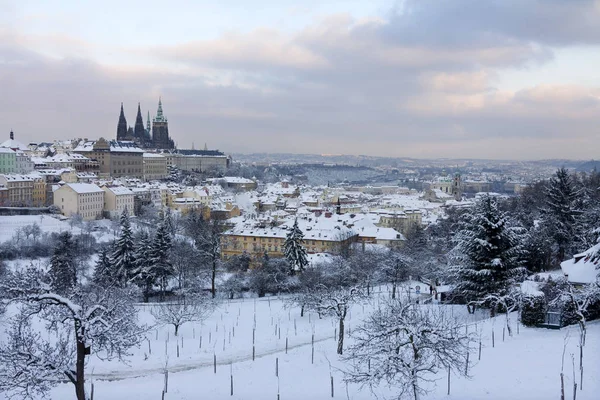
511, 79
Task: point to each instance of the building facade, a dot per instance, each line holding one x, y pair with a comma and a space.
155, 166
20, 189
117, 199
8, 161
83, 199
115, 159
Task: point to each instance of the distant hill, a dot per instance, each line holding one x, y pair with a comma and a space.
588, 166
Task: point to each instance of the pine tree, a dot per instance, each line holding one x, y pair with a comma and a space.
561, 211
104, 274
123, 256
161, 268
488, 251
294, 251
143, 274
62, 265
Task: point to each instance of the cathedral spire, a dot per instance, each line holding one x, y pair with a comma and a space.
159, 113
122, 125
148, 126
138, 130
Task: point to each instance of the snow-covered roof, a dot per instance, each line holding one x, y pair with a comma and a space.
115, 146
583, 267
14, 144
119, 190
83, 188
17, 178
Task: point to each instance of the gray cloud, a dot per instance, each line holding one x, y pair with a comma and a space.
420, 84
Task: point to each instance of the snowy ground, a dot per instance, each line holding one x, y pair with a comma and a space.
9, 224
525, 366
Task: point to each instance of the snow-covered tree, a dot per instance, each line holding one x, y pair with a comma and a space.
88, 320
143, 274
294, 249
207, 236
63, 269
395, 269
334, 302
103, 270
161, 268
184, 310
123, 257
488, 253
562, 210
271, 276
403, 345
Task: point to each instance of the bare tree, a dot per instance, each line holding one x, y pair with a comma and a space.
189, 309
580, 299
207, 236
403, 346
334, 302
508, 302
85, 321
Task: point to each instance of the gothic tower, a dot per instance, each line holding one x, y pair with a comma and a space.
122, 126
138, 130
160, 130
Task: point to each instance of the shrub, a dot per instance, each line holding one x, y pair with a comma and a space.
534, 311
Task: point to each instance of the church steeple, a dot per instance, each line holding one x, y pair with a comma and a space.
138, 130
12, 135
148, 126
159, 113
122, 125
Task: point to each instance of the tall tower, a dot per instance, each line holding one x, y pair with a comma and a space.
160, 130
122, 126
138, 130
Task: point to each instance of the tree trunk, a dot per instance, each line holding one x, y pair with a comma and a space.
393, 290
302, 310
176, 329
340, 347
213, 278
80, 363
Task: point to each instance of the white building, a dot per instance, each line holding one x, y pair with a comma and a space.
23, 163
155, 166
117, 199
84, 199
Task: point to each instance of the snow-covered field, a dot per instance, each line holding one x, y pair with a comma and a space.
525, 366
9, 224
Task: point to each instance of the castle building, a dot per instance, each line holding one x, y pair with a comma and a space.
155, 137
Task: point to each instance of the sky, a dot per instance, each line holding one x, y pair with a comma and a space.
498, 79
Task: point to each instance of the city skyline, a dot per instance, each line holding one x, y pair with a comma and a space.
419, 79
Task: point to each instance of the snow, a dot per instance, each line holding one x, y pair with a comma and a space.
584, 267
47, 223
525, 366
83, 188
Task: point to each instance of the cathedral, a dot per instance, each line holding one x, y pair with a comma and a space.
155, 137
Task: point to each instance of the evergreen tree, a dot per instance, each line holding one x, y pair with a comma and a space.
537, 244
488, 252
294, 251
103, 271
62, 265
161, 268
561, 211
123, 256
590, 216
143, 274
